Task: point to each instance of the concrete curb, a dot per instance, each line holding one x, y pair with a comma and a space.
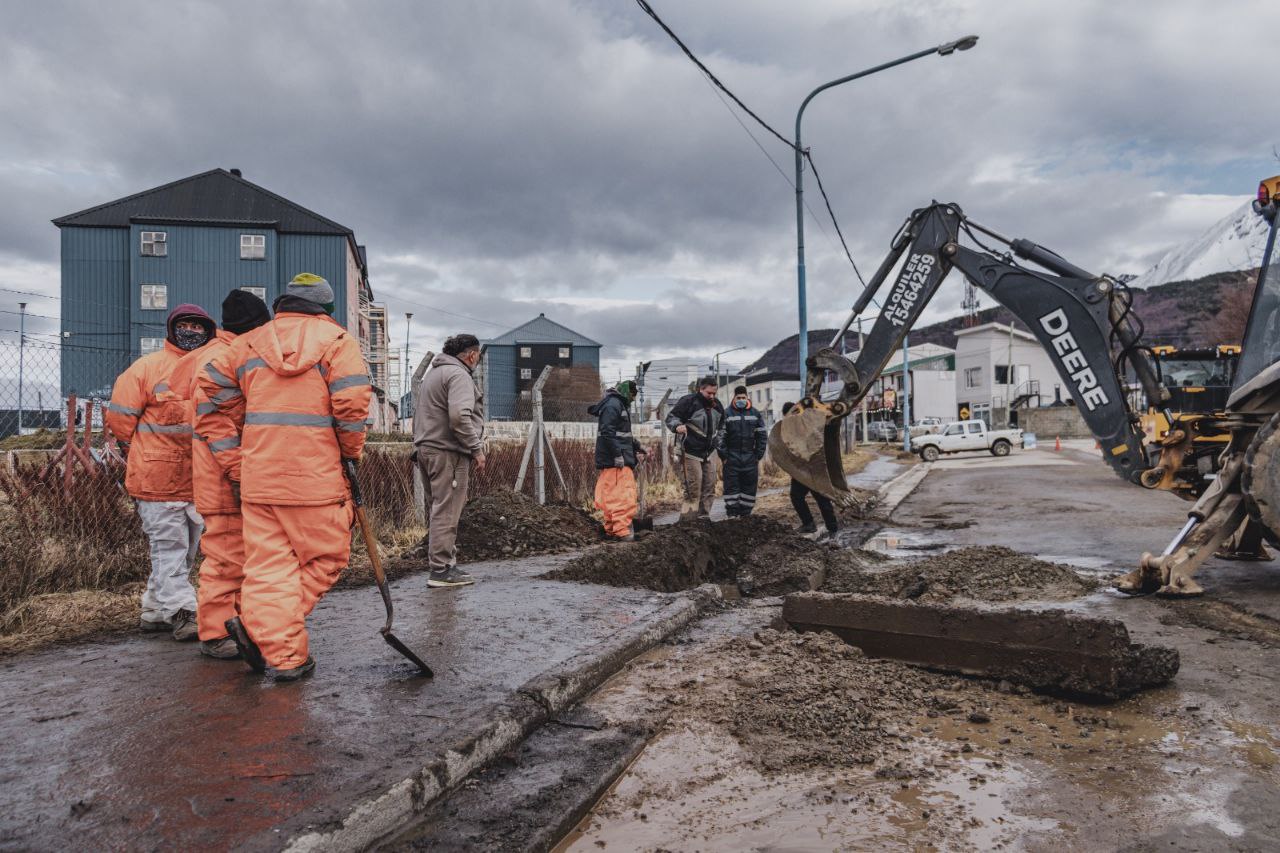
896, 490
510, 722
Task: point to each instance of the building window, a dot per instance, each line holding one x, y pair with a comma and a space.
155, 297
526, 352
260, 292
253, 247
526, 373
564, 352
972, 377
525, 395
1002, 374
149, 345
155, 244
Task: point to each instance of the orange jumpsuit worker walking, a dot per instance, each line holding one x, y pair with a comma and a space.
303, 402
154, 427
222, 571
617, 453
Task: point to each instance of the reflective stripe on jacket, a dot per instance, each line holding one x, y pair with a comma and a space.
209, 483
745, 436
613, 434
304, 393
155, 425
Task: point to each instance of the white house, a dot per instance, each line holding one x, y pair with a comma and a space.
983, 379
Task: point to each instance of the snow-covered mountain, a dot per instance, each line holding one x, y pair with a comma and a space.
1235, 242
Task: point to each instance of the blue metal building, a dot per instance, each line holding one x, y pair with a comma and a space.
126, 263
513, 361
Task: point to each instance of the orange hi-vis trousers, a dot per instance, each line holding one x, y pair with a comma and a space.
616, 498
221, 574
293, 555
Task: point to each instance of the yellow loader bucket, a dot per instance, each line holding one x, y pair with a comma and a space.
806, 444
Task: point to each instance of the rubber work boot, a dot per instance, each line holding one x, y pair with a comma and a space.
284, 676
184, 626
629, 537
248, 648
452, 576
224, 649
808, 528
146, 626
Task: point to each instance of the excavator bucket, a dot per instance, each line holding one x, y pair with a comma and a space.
806, 444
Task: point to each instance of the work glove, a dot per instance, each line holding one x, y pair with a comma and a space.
619, 462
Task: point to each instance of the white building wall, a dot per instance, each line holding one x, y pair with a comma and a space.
987, 347
933, 394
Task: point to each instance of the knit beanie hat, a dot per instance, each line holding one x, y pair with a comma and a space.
243, 311
626, 390
312, 288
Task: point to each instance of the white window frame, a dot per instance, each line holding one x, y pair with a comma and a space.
147, 297
526, 352
526, 373
973, 377
156, 241
146, 346
260, 292
253, 247
564, 352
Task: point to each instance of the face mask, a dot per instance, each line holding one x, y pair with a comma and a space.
189, 339
740, 404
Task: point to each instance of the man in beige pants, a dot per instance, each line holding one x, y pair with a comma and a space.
448, 435
697, 419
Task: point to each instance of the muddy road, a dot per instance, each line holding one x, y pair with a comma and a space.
939, 762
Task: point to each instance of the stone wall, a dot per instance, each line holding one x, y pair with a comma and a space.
1055, 422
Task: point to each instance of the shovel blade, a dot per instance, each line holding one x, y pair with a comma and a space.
394, 642
806, 444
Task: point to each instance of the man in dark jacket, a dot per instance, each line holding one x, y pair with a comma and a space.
745, 441
617, 453
697, 419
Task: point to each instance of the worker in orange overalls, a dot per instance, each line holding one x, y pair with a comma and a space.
617, 454
154, 430
222, 571
302, 402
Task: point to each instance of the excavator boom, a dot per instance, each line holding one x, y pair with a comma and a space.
1075, 315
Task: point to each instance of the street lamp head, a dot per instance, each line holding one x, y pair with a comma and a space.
959, 44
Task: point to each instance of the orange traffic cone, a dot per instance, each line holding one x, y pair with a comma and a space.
1057, 443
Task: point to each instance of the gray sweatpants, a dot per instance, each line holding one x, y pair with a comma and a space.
173, 529
446, 476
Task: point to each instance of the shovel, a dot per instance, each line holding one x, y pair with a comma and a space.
371, 545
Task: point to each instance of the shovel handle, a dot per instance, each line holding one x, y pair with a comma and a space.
370, 541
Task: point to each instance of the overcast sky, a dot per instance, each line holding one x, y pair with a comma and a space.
504, 158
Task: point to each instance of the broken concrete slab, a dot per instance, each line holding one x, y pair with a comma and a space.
1049, 650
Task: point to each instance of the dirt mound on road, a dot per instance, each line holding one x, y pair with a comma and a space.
761, 555
504, 525
813, 701
983, 573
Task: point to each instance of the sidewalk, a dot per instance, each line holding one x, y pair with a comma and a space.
143, 743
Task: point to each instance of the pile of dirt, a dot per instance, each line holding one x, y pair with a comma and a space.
984, 573
813, 701
507, 524
759, 554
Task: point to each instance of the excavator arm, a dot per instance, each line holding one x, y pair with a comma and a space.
1078, 317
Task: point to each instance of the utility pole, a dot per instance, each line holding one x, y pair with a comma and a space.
406, 391
1008, 383
906, 394
22, 360
863, 403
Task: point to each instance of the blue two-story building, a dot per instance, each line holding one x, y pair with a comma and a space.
126, 263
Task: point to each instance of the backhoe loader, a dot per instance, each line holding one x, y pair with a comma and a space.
1087, 326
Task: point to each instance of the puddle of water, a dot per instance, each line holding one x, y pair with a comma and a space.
1256, 743
905, 543
1098, 565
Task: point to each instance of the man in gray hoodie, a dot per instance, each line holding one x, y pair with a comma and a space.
448, 434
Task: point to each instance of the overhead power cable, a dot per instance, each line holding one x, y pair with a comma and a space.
818, 179
648, 10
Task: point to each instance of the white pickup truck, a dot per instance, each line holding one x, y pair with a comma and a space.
958, 436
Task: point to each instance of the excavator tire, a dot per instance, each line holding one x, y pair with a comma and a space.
1260, 479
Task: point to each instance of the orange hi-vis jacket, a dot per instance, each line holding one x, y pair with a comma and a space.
297, 392
209, 483
156, 425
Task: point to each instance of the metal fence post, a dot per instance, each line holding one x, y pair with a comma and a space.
539, 438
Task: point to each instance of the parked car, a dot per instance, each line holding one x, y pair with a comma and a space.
882, 431
967, 435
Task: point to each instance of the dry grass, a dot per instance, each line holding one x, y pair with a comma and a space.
60, 617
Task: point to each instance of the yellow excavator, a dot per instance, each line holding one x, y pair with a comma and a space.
1227, 460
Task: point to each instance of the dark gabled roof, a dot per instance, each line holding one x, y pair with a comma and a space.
542, 330
216, 196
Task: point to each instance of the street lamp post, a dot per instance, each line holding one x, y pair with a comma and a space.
716, 365
942, 50
22, 361
404, 368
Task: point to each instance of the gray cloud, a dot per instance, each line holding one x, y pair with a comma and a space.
503, 158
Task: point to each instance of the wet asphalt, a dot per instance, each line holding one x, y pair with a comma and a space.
141, 743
